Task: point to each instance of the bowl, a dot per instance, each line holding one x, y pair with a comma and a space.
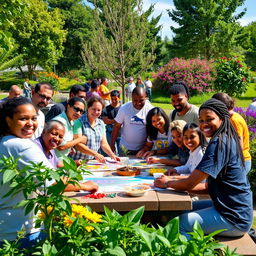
136, 190
128, 171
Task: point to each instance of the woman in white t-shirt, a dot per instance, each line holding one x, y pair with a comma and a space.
158, 132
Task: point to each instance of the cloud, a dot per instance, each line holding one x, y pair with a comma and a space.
246, 20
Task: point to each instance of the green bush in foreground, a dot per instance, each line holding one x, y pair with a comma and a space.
76, 230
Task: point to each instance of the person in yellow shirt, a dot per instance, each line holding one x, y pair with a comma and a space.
104, 91
240, 126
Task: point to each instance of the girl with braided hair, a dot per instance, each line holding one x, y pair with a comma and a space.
230, 207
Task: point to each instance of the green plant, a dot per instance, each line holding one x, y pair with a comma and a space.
232, 76
51, 78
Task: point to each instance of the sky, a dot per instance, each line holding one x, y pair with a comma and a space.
161, 6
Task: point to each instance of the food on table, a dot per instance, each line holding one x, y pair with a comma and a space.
136, 190
128, 171
156, 170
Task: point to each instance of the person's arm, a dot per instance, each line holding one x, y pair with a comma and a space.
106, 148
107, 120
72, 143
156, 160
146, 148
114, 135
187, 184
86, 186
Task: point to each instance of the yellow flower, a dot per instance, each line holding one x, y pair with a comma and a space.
89, 228
78, 211
67, 221
41, 214
93, 217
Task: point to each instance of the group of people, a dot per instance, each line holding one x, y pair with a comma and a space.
207, 147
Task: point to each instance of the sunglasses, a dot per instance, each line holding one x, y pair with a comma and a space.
78, 109
43, 97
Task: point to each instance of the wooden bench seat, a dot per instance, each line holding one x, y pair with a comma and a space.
245, 245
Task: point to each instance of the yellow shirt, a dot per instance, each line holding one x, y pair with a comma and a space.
104, 89
242, 130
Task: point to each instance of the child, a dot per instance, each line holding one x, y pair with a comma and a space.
159, 135
194, 140
231, 207
177, 147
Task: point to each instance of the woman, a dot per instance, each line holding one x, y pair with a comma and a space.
95, 132
74, 110
177, 147
18, 119
222, 164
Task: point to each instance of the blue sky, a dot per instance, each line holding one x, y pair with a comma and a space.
162, 5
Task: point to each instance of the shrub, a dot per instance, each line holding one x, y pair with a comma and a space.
51, 78
195, 72
232, 76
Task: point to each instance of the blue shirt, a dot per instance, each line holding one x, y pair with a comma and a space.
228, 184
94, 136
182, 153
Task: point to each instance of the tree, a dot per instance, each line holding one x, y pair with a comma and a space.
251, 53
118, 40
206, 28
78, 24
39, 35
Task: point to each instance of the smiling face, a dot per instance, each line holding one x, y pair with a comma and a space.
24, 122
158, 122
94, 111
53, 137
191, 139
138, 101
179, 101
74, 112
41, 98
209, 122
177, 138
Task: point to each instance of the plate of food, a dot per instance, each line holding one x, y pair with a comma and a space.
136, 190
128, 171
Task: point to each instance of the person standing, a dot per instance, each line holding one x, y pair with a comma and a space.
104, 91
27, 89
140, 83
148, 85
14, 92
183, 110
132, 116
129, 88
41, 95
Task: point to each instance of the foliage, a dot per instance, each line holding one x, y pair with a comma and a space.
207, 28
195, 72
78, 22
118, 41
251, 53
51, 78
39, 35
232, 76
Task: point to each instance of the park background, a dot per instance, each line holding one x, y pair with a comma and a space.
211, 45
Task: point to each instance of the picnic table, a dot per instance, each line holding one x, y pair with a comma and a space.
157, 201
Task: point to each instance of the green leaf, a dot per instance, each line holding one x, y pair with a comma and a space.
118, 251
29, 207
8, 175
135, 215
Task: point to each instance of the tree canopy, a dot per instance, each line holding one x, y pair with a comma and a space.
206, 28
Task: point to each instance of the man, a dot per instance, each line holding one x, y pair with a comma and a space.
132, 116
76, 90
14, 91
41, 95
104, 91
182, 109
148, 85
87, 86
129, 88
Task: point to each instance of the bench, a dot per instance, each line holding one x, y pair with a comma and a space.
245, 245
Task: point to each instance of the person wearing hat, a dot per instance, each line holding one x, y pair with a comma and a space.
129, 88
230, 208
183, 110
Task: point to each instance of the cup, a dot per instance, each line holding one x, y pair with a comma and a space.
157, 175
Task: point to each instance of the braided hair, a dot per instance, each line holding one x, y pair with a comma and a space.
225, 130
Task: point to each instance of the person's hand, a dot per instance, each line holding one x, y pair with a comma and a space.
99, 158
116, 158
83, 139
89, 186
72, 151
161, 181
140, 153
104, 118
152, 160
170, 172
148, 154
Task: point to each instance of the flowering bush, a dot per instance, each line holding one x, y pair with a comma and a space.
51, 78
195, 72
232, 76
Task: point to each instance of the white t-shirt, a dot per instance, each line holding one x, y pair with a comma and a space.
148, 84
194, 159
129, 88
41, 122
162, 141
133, 134
13, 219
